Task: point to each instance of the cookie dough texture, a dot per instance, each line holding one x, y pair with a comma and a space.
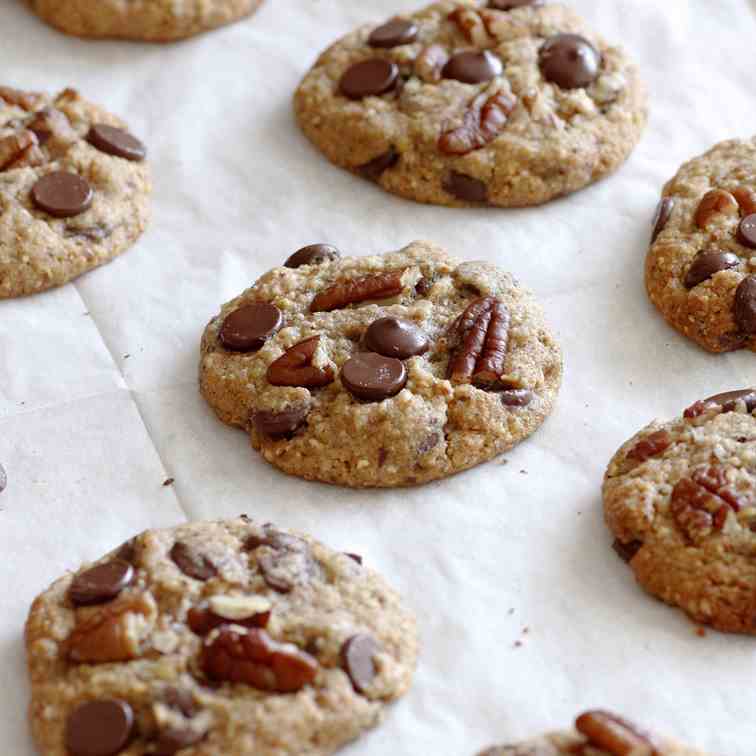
554, 142
680, 497
39, 251
431, 428
706, 311
333, 599
146, 20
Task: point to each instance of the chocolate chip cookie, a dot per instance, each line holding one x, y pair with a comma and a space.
388, 370
468, 102
224, 637
596, 733
680, 497
701, 267
74, 189
146, 20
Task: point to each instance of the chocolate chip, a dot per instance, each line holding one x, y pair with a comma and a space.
507, 5
472, 67
374, 169
101, 583
398, 31
466, 188
280, 422
373, 377
423, 286
357, 656
312, 254
747, 231
662, 215
706, 264
395, 337
116, 142
357, 558
247, 328
62, 194
99, 728
289, 564
192, 563
626, 551
569, 60
369, 77
516, 397
728, 400
745, 305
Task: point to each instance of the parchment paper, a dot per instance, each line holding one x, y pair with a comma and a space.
99, 402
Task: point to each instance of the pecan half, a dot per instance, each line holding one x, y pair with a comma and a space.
380, 286
13, 146
471, 25
746, 198
653, 444
699, 504
715, 202
252, 657
430, 62
295, 368
113, 632
483, 333
483, 121
615, 734
25, 100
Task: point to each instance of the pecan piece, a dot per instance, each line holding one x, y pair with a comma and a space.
483, 121
247, 611
114, 632
650, 446
713, 203
31, 157
615, 734
430, 62
471, 25
51, 122
700, 504
483, 333
25, 100
252, 657
746, 199
379, 286
295, 368
13, 146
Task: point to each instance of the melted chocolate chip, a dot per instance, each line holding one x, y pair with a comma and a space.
101, 583
395, 337
99, 728
569, 61
662, 215
466, 188
247, 328
312, 254
192, 563
472, 67
745, 306
280, 422
375, 168
373, 377
62, 194
747, 231
357, 657
707, 264
516, 397
626, 551
369, 77
116, 142
398, 31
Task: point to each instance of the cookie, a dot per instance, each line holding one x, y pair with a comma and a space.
74, 189
468, 103
389, 370
224, 637
701, 266
146, 20
596, 733
680, 498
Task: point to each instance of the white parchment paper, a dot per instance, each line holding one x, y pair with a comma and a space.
99, 402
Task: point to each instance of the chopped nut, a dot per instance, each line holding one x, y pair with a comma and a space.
615, 735
295, 368
25, 100
248, 611
483, 121
31, 157
430, 62
471, 25
715, 202
379, 286
746, 199
49, 123
650, 446
13, 146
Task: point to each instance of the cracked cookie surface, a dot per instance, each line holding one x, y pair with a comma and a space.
596, 733
701, 266
412, 366
462, 104
74, 189
224, 637
146, 20
680, 497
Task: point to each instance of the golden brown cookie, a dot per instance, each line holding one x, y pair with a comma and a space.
680, 498
387, 370
468, 102
214, 638
701, 267
74, 189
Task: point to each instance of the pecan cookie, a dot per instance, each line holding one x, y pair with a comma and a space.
469, 102
388, 370
74, 189
146, 20
680, 497
701, 267
596, 733
214, 638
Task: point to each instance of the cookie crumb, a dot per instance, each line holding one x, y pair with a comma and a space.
169, 481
